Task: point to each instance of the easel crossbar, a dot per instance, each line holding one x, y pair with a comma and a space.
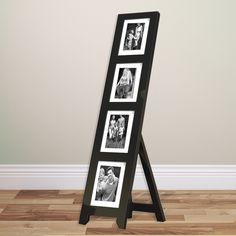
143, 207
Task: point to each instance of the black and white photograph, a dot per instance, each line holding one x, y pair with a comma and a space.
117, 131
108, 184
134, 37
126, 82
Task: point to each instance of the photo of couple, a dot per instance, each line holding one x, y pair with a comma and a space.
108, 184
117, 132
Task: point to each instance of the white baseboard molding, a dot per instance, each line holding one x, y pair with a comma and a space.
168, 177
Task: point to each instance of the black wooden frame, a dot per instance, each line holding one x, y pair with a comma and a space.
136, 145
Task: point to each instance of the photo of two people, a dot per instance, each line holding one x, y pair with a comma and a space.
108, 184
134, 36
117, 131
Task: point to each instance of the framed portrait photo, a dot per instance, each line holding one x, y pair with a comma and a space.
108, 184
117, 131
126, 82
134, 37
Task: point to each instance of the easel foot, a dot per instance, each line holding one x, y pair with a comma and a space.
160, 217
121, 222
84, 217
84, 221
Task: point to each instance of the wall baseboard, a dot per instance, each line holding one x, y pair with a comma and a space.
168, 177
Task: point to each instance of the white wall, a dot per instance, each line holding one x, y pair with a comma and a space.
53, 62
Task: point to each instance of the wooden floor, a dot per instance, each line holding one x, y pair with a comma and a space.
51, 213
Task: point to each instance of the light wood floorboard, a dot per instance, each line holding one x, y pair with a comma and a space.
56, 213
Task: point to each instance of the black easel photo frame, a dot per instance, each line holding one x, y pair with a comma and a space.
118, 139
